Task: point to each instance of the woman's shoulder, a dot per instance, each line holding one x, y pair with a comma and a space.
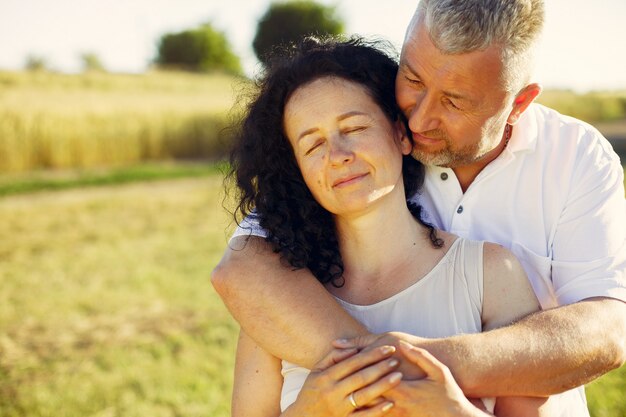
507, 293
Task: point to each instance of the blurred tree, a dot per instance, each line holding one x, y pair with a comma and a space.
201, 49
285, 23
36, 63
91, 62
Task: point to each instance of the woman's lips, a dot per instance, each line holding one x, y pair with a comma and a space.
351, 179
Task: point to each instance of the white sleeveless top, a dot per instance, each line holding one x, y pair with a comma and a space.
445, 302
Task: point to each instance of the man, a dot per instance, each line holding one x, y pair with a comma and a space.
500, 169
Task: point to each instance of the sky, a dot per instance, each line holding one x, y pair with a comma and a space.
583, 48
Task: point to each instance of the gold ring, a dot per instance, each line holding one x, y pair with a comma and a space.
352, 401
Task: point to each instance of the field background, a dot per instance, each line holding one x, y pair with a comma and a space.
111, 220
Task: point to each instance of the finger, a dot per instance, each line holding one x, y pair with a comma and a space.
367, 376
378, 410
358, 342
357, 362
371, 394
425, 360
333, 357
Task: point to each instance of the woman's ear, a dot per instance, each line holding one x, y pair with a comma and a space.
522, 100
406, 144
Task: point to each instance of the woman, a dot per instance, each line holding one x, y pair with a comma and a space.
323, 163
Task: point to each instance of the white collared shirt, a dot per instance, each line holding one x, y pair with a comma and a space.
554, 197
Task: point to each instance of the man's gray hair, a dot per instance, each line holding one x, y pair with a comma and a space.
462, 26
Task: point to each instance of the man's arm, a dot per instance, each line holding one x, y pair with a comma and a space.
545, 353
286, 311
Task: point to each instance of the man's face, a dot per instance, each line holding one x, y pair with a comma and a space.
455, 104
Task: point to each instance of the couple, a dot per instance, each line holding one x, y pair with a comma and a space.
498, 169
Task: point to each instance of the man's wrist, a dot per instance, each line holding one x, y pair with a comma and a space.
457, 353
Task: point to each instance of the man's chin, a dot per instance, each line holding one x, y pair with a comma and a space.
432, 159
446, 159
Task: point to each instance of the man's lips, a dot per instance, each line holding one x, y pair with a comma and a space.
348, 180
425, 139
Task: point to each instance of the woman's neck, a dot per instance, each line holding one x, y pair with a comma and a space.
382, 249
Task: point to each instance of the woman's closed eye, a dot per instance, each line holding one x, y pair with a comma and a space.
353, 129
310, 149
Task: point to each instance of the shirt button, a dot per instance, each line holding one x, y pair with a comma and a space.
444, 176
459, 210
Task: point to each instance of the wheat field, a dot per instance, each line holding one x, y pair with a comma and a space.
60, 121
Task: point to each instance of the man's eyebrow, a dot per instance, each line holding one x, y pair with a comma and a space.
407, 67
457, 96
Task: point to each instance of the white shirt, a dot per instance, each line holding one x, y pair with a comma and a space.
554, 197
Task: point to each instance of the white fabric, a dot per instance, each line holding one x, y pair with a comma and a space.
445, 302
555, 198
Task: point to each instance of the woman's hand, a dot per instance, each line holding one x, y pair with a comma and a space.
348, 383
436, 395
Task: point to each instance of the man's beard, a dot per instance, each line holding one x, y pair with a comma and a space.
446, 157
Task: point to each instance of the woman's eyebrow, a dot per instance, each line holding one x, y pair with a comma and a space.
351, 114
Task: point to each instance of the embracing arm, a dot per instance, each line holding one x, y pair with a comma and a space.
545, 353
286, 311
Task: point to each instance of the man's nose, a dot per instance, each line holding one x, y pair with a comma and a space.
424, 115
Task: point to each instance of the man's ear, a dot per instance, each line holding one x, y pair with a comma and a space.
522, 100
406, 144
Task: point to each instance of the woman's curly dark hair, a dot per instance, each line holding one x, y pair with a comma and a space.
263, 165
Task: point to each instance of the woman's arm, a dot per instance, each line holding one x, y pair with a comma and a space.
505, 301
258, 382
286, 311
507, 293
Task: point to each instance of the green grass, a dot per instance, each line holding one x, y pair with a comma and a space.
592, 107
607, 396
47, 181
106, 308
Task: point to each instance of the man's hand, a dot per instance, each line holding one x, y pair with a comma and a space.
436, 395
409, 369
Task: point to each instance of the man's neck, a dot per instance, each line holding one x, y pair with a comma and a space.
466, 174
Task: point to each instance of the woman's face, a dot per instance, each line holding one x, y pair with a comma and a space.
349, 152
